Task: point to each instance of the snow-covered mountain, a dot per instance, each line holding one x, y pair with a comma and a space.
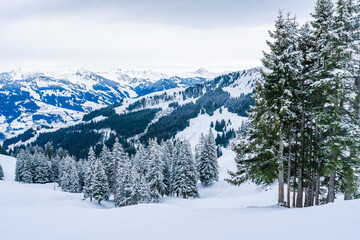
31, 99
184, 112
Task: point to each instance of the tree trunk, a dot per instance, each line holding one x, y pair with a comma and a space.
289, 174
294, 183
299, 199
281, 168
331, 188
312, 189
317, 174
307, 195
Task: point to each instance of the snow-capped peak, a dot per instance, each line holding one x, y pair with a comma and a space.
201, 72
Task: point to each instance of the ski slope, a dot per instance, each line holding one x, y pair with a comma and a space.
35, 211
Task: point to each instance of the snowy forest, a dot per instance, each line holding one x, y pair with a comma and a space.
304, 129
168, 169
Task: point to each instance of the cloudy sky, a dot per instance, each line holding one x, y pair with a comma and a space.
163, 35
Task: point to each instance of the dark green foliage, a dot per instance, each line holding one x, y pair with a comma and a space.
240, 105
174, 104
1, 173
224, 138
168, 126
219, 126
22, 137
106, 112
78, 139
3, 151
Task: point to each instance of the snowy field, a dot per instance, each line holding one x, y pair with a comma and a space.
42, 212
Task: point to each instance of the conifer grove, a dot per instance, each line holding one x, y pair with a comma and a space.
304, 130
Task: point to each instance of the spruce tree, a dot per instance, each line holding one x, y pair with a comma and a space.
99, 184
1, 173
184, 182
89, 175
43, 168
155, 173
123, 185
118, 160
140, 189
69, 181
207, 164
106, 160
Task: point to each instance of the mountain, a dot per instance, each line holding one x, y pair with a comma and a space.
50, 100
221, 103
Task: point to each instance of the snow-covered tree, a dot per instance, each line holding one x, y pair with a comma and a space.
49, 150
106, 160
118, 159
69, 181
99, 184
1, 173
184, 181
207, 163
140, 189
23, 171
42, 172
140, 160
89, 175
123, 185
155, 173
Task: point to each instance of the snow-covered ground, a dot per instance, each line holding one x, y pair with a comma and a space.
34, 211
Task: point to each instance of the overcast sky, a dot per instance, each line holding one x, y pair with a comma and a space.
163, 35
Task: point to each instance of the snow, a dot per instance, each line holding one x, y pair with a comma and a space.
36, 211
201, 124
8, 165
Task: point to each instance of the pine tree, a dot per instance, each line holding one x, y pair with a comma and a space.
49, 150
123, 185
81, 167
168, 152
261, 155
184, 182
99, 185
140, 189
199, 148
155, 173
140, 160
43, 169
106, 160
69, 181
89, 175
1, 173
54, 162
23, 170
207, 164
118, 160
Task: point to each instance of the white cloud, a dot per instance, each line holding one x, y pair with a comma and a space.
71, 34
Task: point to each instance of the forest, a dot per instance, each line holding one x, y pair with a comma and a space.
304, 128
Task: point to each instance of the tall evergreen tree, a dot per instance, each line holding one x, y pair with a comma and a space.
1, 173
89, 175
100, 185
69, 181
207, 164
155, 173
184, 183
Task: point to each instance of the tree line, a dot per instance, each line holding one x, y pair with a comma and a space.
154, 171
304, 127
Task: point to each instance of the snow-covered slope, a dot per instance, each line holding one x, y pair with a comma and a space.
30, 99
43, 211
226, 97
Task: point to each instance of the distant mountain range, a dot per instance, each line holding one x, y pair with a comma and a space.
48, 100
183, 112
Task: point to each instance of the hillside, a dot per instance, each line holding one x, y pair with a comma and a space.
43, 211
163, 115
51, 100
